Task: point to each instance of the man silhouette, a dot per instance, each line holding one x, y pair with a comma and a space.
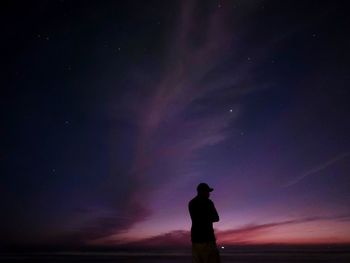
203, 215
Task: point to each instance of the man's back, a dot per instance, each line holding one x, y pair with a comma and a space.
203, 214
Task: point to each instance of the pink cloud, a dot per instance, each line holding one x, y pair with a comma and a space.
250, 234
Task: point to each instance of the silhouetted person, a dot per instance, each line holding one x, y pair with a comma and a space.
203, 215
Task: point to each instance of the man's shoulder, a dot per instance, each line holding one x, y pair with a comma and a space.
193, 200
196, 201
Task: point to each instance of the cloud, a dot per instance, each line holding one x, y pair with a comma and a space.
247, 234
317, 169
173, 239
172, 120
100, 223
169, 129
176, 116
179, 117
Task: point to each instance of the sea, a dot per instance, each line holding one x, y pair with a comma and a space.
233, 256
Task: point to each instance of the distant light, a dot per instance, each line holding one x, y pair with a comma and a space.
222, 247
231, 110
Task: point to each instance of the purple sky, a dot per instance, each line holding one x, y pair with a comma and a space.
115, 112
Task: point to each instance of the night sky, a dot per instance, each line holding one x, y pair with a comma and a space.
113, 112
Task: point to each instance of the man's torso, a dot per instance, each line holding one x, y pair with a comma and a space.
201, 211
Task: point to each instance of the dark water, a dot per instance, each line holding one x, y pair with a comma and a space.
237, 257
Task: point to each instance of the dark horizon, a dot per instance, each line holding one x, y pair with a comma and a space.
170, 249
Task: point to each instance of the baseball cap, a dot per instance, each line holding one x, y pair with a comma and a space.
204, 187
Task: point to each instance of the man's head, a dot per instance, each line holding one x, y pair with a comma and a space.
204, 190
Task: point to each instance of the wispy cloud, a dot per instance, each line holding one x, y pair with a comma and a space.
247, 234
170, 126
176, 117
173, 239
174, 120
318, 169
